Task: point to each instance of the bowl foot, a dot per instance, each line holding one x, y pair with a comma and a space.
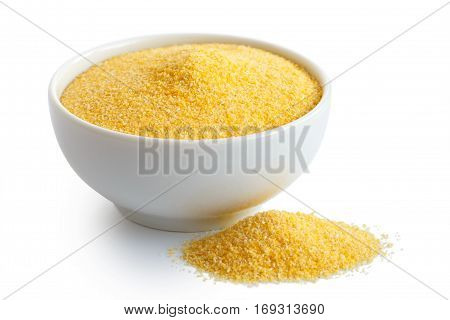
185, 225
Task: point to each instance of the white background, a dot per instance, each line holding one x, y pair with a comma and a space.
385, 160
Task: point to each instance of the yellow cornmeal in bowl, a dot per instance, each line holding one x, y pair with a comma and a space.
193, 91
276, 246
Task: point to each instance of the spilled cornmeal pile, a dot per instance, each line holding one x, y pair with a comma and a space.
193, 91
277, 246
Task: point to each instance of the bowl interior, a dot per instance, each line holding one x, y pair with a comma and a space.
72, 68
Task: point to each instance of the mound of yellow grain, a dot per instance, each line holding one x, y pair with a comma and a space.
281, 246
193, 91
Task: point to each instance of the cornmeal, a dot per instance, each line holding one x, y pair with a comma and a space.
193, 91
276, 246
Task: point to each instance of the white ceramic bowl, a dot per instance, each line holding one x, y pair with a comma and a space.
108, 161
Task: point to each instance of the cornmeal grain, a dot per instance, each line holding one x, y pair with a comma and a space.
193, 91
277, 246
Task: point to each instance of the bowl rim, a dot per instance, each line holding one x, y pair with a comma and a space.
318, 73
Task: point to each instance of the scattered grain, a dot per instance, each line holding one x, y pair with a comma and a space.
278, 246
